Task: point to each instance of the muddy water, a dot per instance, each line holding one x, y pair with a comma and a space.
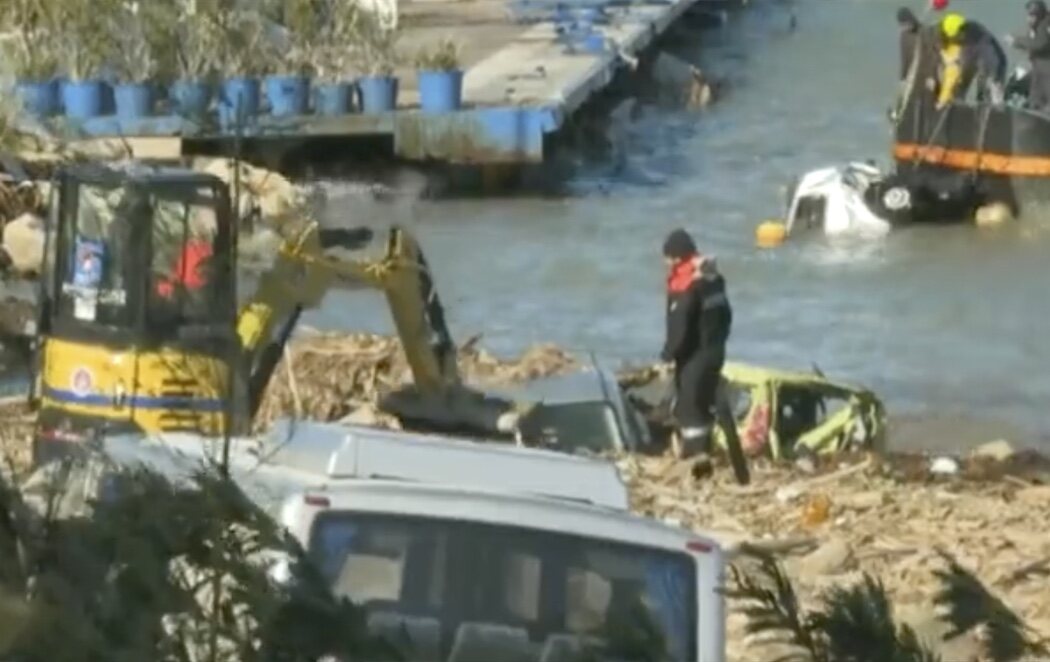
948, 324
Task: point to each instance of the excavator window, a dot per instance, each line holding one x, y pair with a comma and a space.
189, 284
112, 231
94, 281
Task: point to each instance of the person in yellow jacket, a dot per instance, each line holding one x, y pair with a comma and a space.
951, 57
970, 55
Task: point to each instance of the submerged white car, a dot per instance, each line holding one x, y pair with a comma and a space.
835, 202
859, 200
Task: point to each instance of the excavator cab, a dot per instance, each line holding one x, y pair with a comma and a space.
137, 306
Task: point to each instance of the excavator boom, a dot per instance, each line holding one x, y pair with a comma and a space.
308, 264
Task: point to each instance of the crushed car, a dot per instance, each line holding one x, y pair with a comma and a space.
779, 414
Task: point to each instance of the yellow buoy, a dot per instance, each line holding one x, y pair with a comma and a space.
770, 234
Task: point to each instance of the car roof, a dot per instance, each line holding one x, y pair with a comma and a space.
752, 374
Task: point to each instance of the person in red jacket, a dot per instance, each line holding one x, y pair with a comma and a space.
188, 271
699, 319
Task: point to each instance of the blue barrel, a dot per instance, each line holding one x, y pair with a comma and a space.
190, 97
594, 43
440, 91
378, 94
134, 100
82, 99
243, 94
39, 98
333, 99
288, 95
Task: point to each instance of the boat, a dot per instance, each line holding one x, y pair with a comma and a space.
1003, 150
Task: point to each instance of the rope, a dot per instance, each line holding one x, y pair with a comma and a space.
933, 134
982, 134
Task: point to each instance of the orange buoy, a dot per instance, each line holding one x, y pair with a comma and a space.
770, 234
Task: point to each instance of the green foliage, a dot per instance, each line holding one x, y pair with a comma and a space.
137, 34
84, 35
444, 56
11, 112
28, 46
332, 49
245, 49
376, 49
170, 573
856, 624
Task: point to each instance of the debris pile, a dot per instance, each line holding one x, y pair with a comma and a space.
829, 519
17, 199
330, 376
884, 516
16, 431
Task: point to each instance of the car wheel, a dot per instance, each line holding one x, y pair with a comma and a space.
897, 199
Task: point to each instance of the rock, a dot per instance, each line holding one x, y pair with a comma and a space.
683, 82
932, 631
23, 242
864, 500
944, 466
999, 450
1039, 494
370, 416
993, 214
806, 465
831, 558
277, 199
787, 493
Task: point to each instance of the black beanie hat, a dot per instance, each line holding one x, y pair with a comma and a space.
906, 16
679, 245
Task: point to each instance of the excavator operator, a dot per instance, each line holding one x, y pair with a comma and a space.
189, 268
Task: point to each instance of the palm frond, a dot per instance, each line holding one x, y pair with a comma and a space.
970, 605
859, 626
772, 608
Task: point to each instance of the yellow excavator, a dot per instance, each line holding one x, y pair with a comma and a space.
139, 327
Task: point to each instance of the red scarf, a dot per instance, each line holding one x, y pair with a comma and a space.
682, 275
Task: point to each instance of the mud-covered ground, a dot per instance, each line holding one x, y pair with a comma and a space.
889, 516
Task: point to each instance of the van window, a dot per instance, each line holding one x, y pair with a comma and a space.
471, 584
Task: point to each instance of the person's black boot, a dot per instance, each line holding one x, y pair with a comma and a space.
695, 444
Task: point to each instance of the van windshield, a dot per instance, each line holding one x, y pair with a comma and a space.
452, 590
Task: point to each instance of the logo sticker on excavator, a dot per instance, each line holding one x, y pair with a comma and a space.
82, 381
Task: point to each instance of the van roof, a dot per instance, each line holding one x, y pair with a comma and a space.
337, 452
446, 502
280, 472
313, 454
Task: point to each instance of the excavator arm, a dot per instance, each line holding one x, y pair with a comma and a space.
308, 264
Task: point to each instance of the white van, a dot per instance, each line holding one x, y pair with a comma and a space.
469, 552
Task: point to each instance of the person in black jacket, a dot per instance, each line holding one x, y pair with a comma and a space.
699, 318
984, 62
919, 40
1037, 44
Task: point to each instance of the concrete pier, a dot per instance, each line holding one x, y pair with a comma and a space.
526, 73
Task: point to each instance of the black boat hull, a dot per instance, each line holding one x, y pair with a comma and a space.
1005, 151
